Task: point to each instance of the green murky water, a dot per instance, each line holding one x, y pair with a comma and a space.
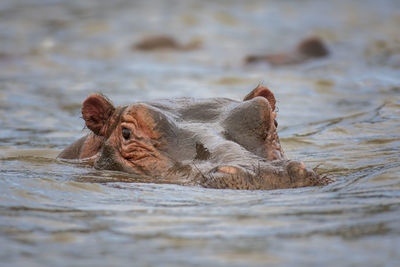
341, 113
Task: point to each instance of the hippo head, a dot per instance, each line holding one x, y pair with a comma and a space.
216, 143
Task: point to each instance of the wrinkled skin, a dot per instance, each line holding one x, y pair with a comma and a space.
215, 143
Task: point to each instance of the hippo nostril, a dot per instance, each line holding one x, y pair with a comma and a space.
310, 172
227, 169
297, 169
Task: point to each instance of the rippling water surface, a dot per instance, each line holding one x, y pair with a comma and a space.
341, 113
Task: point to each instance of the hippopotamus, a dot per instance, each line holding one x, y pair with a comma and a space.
212, 142
164, 42
309, 48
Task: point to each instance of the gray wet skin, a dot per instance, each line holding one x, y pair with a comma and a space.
215, 143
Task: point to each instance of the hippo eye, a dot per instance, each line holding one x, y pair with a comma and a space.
126, 133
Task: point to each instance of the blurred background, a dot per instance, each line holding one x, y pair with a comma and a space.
340, 112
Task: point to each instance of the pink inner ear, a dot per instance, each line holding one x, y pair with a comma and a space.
95, 111
264, 92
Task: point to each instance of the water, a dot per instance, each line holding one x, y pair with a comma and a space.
341, 113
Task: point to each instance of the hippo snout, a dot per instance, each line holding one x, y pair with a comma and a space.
281, 174
228, 169
300, 175
297, 169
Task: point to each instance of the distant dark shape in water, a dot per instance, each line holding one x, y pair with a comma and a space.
164, 42
309, 48
212, 142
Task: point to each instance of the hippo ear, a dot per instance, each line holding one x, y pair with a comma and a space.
96, 110
264, 92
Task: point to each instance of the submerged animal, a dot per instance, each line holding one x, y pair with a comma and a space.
215, 142
309, 48
164, 42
